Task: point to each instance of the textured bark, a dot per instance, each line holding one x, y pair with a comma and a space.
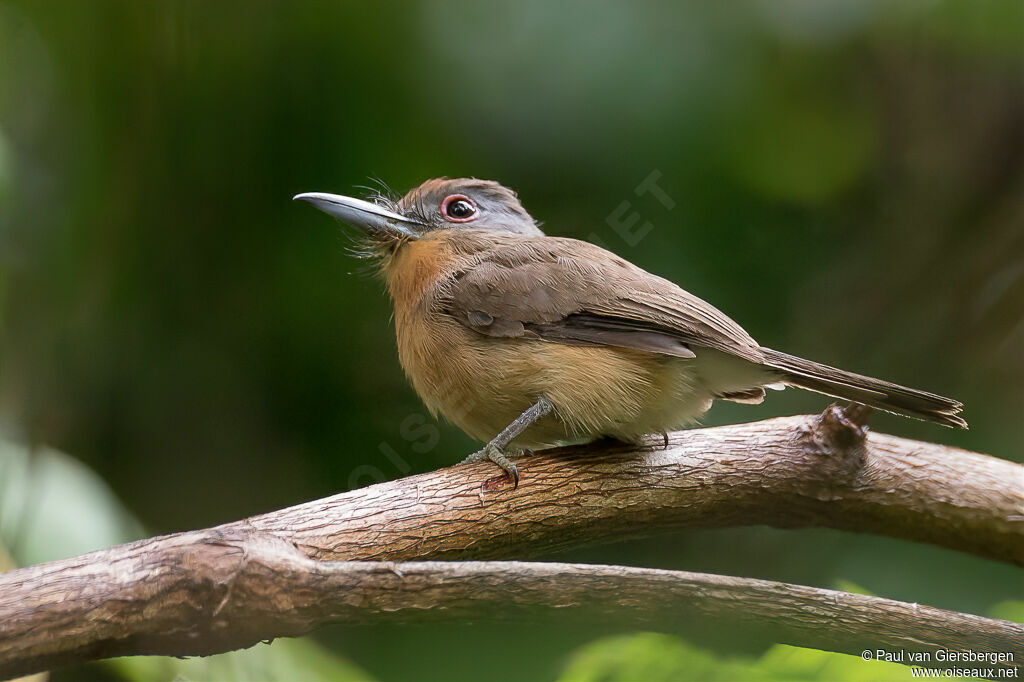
280, 574
822, 471
221, 591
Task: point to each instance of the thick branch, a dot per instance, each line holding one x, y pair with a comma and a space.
207, 591
789, 472
216, 591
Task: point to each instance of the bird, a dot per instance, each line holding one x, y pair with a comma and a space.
526, 341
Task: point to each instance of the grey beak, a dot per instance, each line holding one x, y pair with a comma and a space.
362, 214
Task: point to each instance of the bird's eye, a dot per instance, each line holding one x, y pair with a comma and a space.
458, 208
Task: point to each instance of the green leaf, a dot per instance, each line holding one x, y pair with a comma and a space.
852, 587
1009, 610
52, 506
284, 660
651, 657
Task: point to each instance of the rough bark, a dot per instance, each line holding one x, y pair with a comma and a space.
824, 471
223, 590
281, 574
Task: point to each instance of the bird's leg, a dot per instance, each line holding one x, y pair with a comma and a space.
495, 450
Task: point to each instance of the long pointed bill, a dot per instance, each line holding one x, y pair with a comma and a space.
362, 214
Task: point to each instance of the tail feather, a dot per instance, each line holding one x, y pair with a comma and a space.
880, 394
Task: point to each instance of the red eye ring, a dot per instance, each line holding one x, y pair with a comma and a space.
454, 206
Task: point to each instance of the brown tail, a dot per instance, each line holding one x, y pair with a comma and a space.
874, 392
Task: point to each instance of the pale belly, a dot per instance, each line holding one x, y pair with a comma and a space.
482, 384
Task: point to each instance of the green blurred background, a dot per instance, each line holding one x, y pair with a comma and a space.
846, 180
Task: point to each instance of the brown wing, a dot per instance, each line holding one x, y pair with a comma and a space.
570, 291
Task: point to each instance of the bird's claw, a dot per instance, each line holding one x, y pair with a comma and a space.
493, 453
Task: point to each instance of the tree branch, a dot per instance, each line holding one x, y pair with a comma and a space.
824, 471
220, 590
277, 574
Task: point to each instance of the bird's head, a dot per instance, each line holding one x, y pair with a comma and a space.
438, 204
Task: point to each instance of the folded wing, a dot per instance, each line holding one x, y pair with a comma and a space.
569, 291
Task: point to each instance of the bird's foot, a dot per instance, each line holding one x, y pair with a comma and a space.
493, 453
